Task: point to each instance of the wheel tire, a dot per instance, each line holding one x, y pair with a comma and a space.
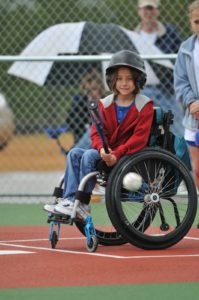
92, 247
54, 239
124, 220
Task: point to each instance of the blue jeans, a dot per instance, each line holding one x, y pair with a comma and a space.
80, 162
84, 141
167, 102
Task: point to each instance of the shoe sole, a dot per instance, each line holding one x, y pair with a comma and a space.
52, 212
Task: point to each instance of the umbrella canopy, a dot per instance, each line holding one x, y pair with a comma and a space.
83, 38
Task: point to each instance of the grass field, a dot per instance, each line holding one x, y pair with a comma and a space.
33, 214
174, 291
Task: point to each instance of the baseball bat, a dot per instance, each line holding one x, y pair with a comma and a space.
97, 120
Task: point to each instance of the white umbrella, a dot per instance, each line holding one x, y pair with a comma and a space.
81, 38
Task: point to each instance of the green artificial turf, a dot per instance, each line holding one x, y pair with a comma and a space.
22, 215
33, 214
174, 291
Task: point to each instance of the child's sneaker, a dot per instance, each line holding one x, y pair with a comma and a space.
98, 190
66, 206
83, 210
50, 208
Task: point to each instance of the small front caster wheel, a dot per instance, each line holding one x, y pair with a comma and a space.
54, 239
92, 244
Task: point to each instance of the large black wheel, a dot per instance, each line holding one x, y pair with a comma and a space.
161, 213
105, 231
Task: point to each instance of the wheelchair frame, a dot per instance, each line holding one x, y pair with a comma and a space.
135, 230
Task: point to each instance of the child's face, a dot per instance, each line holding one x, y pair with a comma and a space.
194, 20
125, 84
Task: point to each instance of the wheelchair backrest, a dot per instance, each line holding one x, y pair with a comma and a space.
157, 127
162, 137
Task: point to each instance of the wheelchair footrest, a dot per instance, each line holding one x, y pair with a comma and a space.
59, 219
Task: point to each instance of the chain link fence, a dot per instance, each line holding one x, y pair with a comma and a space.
44, 98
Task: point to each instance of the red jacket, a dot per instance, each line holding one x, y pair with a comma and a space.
132, 134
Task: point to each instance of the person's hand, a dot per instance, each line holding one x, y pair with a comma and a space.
103, 153
110, 159
194, 110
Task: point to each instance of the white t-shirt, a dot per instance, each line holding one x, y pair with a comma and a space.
150, 38
189, 135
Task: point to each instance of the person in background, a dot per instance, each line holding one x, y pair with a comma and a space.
127, 118
168, 40
186, 84
78, 118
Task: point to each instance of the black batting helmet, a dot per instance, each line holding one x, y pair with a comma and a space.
129, 59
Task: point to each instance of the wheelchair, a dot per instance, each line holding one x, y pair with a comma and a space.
156, 216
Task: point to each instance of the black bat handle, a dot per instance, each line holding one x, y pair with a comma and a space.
96, 117
92, 105
105, 147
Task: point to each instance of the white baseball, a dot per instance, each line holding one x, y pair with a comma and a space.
132, 182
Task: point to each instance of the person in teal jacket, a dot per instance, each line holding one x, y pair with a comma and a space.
186, 84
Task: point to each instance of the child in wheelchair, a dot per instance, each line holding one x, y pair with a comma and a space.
127, 117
